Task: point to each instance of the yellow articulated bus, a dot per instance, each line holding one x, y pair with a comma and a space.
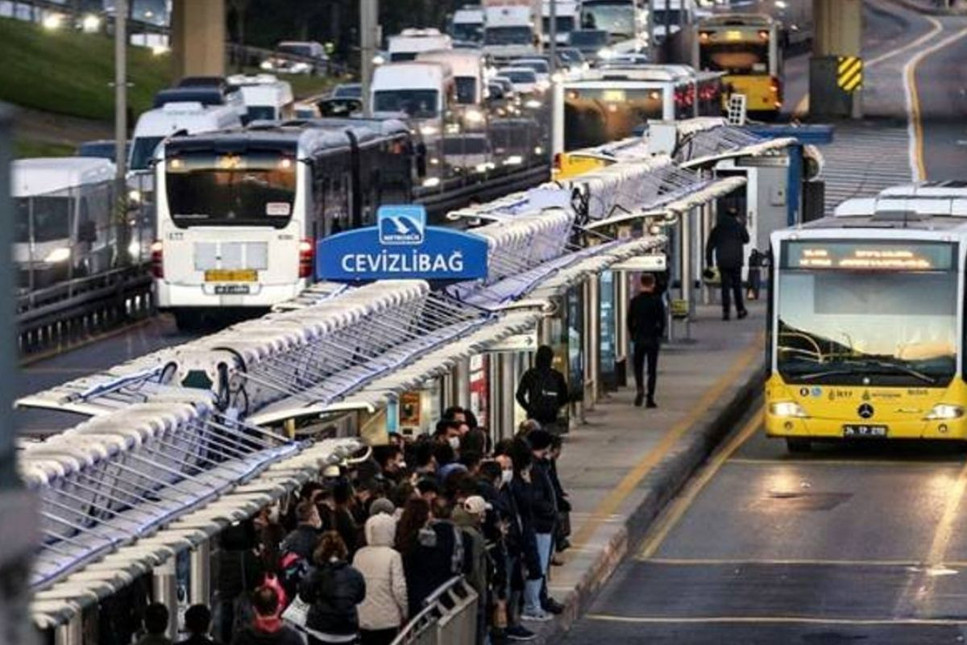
603, 106
746, 48
866, 324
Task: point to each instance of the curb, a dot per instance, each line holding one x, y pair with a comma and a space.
666, 481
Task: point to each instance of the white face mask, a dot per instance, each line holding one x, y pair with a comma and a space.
506, 476
454, 442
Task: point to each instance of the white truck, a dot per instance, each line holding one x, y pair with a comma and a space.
468, 24
424, 91
512, 28
408, 43
567, 13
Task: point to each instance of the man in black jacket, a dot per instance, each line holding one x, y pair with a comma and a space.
542, 391
726, 241
646, 326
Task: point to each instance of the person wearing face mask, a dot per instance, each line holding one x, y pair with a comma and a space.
545, 509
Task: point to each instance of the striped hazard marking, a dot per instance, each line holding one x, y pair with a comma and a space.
849, 73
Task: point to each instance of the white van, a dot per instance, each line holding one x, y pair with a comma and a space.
266, 98
63, 218
155, 125
408, 43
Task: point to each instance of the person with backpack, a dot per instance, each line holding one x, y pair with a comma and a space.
542, 391
432, 551
332, 591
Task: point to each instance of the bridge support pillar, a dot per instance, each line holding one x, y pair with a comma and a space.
198, 38
837, 35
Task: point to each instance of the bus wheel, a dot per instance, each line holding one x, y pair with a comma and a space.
798, 445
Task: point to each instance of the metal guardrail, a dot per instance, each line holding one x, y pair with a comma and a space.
66, 312
449, 617
458, 192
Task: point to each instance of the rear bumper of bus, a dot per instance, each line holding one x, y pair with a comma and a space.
174, 296
820, 428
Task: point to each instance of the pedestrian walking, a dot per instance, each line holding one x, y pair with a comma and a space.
542, 391
646, 326
725, 243
332, 591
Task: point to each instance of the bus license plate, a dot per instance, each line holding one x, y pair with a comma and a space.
864, 430
231, 289
231, 275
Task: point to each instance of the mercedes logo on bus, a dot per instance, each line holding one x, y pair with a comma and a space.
865, 411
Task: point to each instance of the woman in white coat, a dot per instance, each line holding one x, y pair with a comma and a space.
383, 611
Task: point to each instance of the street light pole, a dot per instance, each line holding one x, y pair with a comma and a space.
121, 126
552, 36
368, 36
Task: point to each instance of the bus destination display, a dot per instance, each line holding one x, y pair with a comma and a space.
863, 256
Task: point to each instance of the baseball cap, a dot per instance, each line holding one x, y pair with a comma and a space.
476, 505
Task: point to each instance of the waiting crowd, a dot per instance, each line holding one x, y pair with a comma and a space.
356, 553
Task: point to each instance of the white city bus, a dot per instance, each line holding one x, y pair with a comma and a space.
606, 105
239, 212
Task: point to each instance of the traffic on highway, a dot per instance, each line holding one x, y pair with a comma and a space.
571, 321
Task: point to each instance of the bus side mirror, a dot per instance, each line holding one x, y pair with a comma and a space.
87, 232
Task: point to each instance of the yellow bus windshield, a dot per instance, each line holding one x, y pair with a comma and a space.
872, 326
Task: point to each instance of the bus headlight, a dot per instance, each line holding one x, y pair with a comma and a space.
533, 104
605, 53
787, 409
58, 255
428, 130
474, 116
944, 412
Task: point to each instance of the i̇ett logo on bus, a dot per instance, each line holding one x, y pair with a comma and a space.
401, 224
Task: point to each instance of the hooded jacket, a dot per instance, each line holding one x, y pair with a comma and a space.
727, 240
477, 576
385, 604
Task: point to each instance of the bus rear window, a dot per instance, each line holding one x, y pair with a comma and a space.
736, 58
253, 188
596, 116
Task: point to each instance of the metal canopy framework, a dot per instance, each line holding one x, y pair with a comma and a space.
120, 476
165, 461
69, 596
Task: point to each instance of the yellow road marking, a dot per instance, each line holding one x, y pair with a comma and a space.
807, 620
945, 528
913, 96
802, 108
781, 561
611, 502
682, 504
840, 462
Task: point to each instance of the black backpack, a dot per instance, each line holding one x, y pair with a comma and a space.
544, 396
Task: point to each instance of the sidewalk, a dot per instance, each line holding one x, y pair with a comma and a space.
627, 462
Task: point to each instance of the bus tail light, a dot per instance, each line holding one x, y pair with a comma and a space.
305, 258
764, 35
557, 161
776, 86
157, 260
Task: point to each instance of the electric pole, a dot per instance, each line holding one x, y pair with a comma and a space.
368, 45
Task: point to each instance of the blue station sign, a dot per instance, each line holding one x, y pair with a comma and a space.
401, 247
